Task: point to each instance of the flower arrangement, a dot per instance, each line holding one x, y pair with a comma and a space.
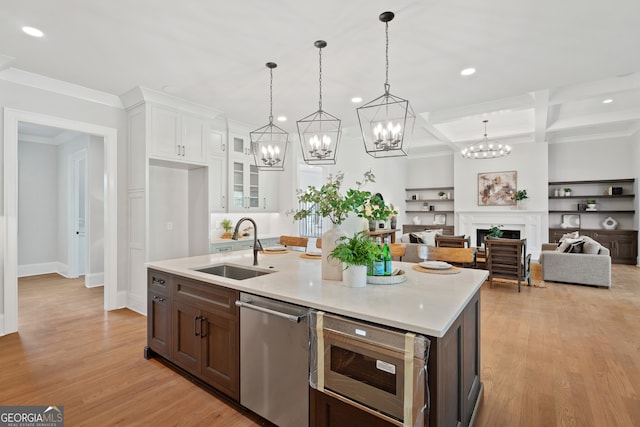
328, 202
495, 231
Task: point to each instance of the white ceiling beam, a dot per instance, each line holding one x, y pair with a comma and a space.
519, 102
610, 136
541, 114
595, 119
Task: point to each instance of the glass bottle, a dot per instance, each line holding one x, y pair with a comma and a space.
378, 264
386, 256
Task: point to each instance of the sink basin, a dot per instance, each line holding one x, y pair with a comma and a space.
233, 271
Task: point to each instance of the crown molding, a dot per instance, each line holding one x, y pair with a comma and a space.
140, 94
25, 78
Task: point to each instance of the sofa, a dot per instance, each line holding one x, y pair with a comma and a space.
592, 269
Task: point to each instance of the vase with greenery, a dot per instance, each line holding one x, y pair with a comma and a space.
329, 201
495, 231
567, 191
356, 254
519, 196
375, 210
441, 194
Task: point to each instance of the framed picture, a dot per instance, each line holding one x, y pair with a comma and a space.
440, 219
570, 221
497, 188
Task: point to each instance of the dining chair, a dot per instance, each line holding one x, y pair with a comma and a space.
294, 241
453, 241
462, 257
397, 250
508, 259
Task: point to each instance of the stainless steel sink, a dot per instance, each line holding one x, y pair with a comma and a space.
233, 271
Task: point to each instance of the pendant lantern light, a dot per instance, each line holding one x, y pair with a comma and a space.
269, 143
320, 131
486, 149
386, 122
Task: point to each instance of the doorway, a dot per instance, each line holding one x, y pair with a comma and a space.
9, 323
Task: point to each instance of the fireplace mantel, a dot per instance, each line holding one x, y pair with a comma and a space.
533, 225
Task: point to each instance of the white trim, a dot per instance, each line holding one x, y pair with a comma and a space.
38, 81
110, 135
137, 303
94, 280
37, 269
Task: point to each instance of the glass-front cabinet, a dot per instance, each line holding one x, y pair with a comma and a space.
245, 182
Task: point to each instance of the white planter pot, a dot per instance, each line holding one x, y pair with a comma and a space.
331, 268
355, 276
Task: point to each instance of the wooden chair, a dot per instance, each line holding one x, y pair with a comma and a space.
293, 241
397, 250
462, 257
508, 259
319, 243
453, 241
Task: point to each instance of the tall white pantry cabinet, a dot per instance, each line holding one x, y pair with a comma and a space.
178, 175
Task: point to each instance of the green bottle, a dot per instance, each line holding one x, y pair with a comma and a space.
378, 264
386, 257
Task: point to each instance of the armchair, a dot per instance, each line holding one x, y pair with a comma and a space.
508, 259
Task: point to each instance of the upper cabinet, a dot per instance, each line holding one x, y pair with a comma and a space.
178, 136
217, 163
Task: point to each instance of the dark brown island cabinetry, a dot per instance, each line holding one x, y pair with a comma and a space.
195, 326
454, 381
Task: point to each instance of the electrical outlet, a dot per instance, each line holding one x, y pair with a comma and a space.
169, 226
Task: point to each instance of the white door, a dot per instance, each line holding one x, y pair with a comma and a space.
77, 213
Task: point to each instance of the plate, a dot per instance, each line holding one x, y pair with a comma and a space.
276, 248
435, 265
314, 253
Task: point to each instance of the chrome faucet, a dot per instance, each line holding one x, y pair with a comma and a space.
256, 243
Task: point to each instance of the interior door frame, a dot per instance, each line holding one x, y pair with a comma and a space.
9, 321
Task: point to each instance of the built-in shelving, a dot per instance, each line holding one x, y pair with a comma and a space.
429, 205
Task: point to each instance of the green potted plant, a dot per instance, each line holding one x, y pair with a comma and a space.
330, 202
495, 231
567, 191
356, 254
591, 204
441, 194
228, 226
519, 196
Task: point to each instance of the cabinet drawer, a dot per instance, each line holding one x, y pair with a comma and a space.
159, 282
206, 296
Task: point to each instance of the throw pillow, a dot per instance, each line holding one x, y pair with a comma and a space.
428, 237
576, 247
566, 244
405, 238
590, 246
414, 238
572, 235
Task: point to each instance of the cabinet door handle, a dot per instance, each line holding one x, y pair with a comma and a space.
224, 146
183, 152
264, 203
223, 206
203, 320
195, 325
155, 281
157, 298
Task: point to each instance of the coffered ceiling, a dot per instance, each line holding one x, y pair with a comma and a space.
543, 67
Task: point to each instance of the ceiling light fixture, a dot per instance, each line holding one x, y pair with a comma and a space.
34, 32
468, 71
282, 118
386, 122
356, 99
269, 143
485, 149
607, 101
320, 131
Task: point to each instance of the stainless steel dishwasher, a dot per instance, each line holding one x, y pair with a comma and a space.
274, 360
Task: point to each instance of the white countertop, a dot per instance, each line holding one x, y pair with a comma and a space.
426, 303
216, 240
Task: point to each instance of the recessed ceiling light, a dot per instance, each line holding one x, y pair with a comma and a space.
607, 101
356, 99
282, 118
34, 32
468, 71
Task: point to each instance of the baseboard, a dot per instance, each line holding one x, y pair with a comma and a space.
137, 304
37, 269
94, 280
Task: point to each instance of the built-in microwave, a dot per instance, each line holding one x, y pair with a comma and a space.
380, 370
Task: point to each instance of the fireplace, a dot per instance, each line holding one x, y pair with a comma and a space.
481, 233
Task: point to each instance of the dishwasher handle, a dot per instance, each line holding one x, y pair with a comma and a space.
289, 317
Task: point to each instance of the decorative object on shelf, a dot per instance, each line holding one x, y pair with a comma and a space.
440, 219
497, 188
269, 143
615, 191
556, 192
355, 253
567, 192
328, 202
393, 221
386, 122
319, 131
591, 205
609, 223
570, 221
376, 211
425, 206
519, 196
441, 194
485, 149
416, 220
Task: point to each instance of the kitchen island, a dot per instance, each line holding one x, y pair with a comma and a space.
444, 307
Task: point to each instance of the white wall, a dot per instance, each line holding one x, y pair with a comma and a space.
589, 160
529, 160
37, 204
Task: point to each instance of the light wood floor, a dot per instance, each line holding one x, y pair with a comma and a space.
563, 355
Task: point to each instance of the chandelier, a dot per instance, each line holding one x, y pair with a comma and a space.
320, 131
385, 121
485, 149
269, 143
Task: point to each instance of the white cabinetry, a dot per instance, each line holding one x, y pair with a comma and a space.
177, 136
217, 163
